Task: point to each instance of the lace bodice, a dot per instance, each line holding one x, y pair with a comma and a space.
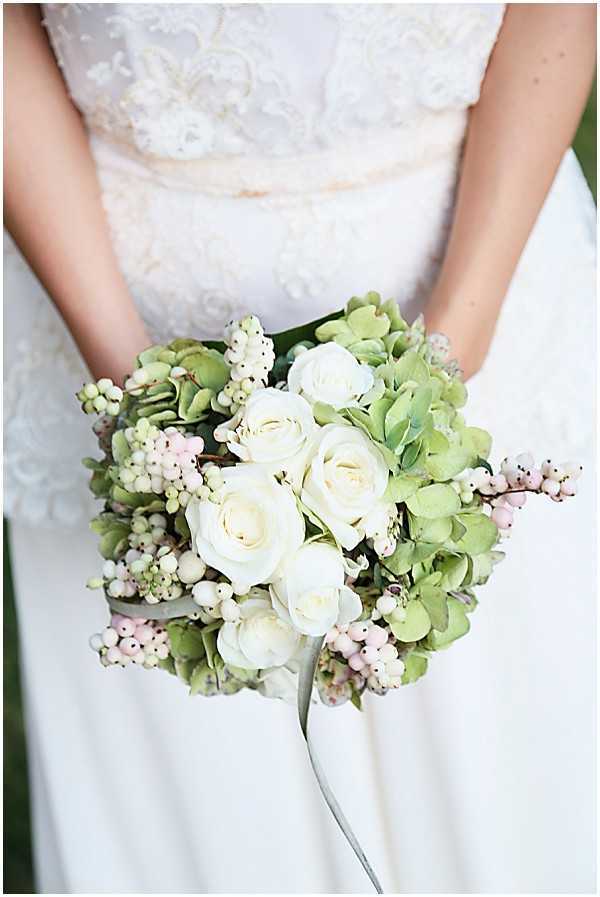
195, 81
279, 158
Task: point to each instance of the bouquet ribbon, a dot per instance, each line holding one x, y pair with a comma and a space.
179, 607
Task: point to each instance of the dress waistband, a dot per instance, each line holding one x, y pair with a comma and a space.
397, 152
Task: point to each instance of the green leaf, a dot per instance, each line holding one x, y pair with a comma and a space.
423, 529
415, 666
209, 640
410, 366
284, 341
395, 438
424, 550
191, 644
454, 570
184, 669
377, 412
181, 526
410, 455
330, 329
448, 464
458, 625
434, 600
481, 534
415, 625
367, 323
458, 529
203, 680
175, 630
420, 405
326, 414
402, 559
149, 355
355, 699
157, 370
361, 418
193, 401
114, 543
431, 502
401, 486
209, 368
398, 412
437, 442
476, 441
120, 448
455, 393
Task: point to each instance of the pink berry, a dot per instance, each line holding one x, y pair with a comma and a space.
369, 654
358, 631
499, 483
515, 478
533, 479
516, 499
194, 444
126, 627
129, 646
502, 517
568, 487
177, 443
331, 636
356, 662
116, 619
186, 459
143, 633
343, 642
192, 480
376, 637
113, 655
139, 621
551, 487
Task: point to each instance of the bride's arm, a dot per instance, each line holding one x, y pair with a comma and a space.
52, 205
532, 97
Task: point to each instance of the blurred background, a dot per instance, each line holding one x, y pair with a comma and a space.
17, 845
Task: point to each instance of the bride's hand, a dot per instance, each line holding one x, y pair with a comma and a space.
52, 202
531, 101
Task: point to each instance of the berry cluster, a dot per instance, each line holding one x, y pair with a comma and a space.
369, 651
216, 600
155, 574
131, 640
102, 397
250, 355
162, 462
508, 489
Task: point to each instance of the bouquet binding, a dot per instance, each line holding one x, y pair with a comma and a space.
311, 505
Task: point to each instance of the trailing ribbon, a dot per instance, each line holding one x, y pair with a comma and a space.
181, 607
164, 610
305, 685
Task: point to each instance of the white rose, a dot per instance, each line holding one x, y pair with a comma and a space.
280, 682
331, 374
259, 639
273, 428
345, 482
251, 530
311, 593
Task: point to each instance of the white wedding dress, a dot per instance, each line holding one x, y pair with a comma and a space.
280, 158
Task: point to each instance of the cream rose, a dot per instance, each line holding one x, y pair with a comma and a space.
254, 527
311, 594
260, 639
345, 482
273, 428
331, 374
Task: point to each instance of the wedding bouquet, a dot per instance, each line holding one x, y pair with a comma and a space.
322, 484
309, 507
